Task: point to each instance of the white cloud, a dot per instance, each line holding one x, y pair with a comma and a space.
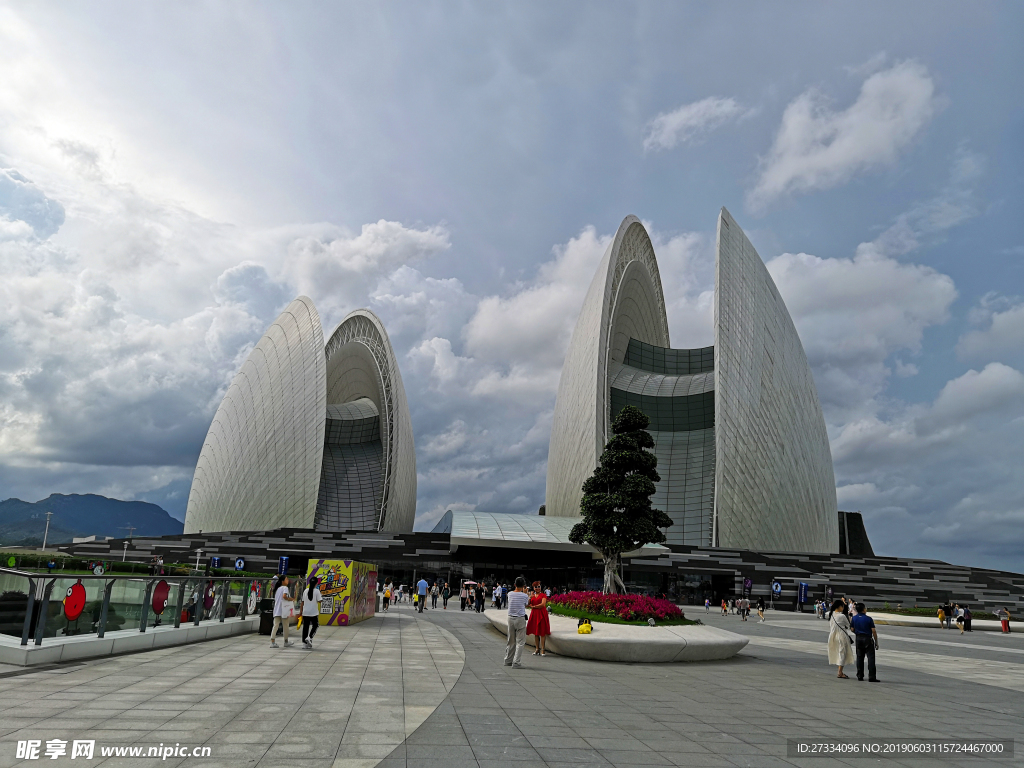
1001, 338
818, 147
942, 474
853, 314
690, 121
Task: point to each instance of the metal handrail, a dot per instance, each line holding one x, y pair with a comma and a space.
43, 584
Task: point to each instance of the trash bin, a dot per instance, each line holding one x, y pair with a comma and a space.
266, 616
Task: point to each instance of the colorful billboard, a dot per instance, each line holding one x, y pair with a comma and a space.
349, 590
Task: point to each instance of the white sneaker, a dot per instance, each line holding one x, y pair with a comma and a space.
308, 645
287, 643
274, 645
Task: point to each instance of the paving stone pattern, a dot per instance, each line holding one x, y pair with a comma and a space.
424, 690
346, 704
570, 712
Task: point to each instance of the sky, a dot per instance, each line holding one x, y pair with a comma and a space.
171, 175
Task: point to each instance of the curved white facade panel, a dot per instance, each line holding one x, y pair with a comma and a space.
624, 301
263, 464
260, 464
739, 434
774, 484
361, 363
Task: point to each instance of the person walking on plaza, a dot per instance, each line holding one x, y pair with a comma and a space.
282, 612
539, 625
463, 596
948, 609
967, 618
445, 594
707, 605
311, 598
496, 596
421, 593
435, 592
479, 598
725, 608
942, 617
867, 642
386, 599
744, 608
760, 609
516, 625
840, 643
959, 617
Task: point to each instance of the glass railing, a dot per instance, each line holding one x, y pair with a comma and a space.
35, 606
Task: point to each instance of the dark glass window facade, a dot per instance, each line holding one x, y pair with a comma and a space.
675, 362
683, 428
669, 414
351, 478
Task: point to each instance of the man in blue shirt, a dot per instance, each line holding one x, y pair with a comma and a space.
421, 590
867, 642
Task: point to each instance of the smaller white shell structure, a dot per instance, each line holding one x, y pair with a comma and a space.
309, 436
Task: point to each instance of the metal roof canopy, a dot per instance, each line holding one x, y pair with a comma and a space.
472, 528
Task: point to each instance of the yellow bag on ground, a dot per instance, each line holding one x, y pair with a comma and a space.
585, 627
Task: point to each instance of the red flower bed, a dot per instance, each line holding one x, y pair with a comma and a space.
626, 607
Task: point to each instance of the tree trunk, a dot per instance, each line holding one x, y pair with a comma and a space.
612, 583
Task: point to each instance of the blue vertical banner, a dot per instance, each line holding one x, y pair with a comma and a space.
804, 588
282, 565
748, 585
215, 562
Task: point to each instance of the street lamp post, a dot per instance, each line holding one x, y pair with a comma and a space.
46, 533
124, 554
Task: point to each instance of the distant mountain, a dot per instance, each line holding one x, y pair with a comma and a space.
23, 522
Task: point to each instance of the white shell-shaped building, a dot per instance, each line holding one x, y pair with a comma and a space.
310, 436
742, 450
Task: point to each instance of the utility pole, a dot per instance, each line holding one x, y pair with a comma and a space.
130, 528
46, 533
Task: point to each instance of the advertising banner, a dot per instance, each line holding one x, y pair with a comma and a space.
349, 590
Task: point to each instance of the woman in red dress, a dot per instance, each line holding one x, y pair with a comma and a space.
538, 624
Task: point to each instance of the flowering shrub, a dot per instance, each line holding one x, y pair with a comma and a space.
625, 607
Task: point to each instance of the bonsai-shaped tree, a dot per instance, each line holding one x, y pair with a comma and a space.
616, 504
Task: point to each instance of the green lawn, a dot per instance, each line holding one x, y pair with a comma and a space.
561, 610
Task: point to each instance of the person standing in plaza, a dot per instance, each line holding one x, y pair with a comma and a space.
840, 644
516, 625
760, 609
725, 608
942, 617
435, 592
478, 595
421, 593
707, 605
311, 598
967, 618
867, 642
282, 612
463, 596
446, 593
1004, 619
386, 598
539, 625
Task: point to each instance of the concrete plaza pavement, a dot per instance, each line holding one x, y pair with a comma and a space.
429, 690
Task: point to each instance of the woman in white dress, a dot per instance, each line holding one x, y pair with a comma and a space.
840, 638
